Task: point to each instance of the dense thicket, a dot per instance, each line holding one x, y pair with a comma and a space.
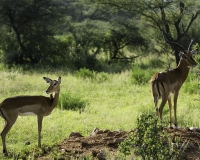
81, 34
27, 29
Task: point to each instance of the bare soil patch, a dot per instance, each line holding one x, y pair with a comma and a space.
99, 141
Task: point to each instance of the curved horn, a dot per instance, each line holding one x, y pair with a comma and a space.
172, 43
190, 45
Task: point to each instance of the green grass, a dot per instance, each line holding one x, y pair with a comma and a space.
111, 101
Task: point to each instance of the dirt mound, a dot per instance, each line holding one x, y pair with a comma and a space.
93, 145
190, 137
102, 141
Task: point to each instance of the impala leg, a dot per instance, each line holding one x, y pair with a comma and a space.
170, 111
156, 105
40, 118
175, 107
164, 100
8, 125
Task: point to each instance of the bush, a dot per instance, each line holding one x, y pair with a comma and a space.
92, 75
140, 76
87, 61
150, 141
85, 73
192, 84
156, 63
102, 77
68, 101
191, 87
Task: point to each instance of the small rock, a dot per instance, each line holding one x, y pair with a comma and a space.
94, 132
106, 131
83, 144
75, 134
115, 141
101, 155
94, 153
118, 140
63, 150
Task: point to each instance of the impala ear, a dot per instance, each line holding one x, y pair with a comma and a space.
48, 80
59, 80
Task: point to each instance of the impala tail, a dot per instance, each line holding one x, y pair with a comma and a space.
157, 87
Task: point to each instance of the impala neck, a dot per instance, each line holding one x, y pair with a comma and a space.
55, 100
184, 69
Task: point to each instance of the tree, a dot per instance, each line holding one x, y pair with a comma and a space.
123, 33
98, 29
28, 25
163, 15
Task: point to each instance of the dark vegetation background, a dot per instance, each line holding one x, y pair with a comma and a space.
92, 33
87, 37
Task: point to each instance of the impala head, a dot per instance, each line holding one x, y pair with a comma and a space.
188, 59
54, 85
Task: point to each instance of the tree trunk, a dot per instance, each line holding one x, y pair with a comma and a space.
176, 54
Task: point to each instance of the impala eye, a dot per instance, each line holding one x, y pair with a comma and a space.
186, 57
54, 83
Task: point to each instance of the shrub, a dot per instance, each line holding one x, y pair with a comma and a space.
140, 76
71, 102
150, 141
101, 77
191, 84
88, 61
85, 73
191, 87
156, 63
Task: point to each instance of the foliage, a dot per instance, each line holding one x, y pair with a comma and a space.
191, 86
192, 82
140, 76
79, 34
92, 75
156, 63
150, 141
68, 101
30, 26
85, 73
162, 16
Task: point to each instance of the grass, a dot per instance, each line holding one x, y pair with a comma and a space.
111, 101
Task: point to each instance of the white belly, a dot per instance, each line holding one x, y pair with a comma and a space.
27, 114
28, 110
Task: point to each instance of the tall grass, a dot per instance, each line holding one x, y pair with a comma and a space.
104, 100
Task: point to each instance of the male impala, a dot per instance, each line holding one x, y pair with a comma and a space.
170, 81
40, 106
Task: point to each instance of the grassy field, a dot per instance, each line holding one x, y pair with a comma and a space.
108, 101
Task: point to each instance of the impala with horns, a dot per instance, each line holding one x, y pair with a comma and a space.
170, 81
40, 106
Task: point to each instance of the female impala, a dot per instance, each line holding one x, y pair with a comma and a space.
170, 81
40, 106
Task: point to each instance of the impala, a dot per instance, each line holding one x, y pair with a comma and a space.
40, 106
170, 81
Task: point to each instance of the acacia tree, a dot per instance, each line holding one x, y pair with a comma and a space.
99, 30
27, 24
123, 33
163, 15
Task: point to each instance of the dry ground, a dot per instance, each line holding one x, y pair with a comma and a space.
101, 142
